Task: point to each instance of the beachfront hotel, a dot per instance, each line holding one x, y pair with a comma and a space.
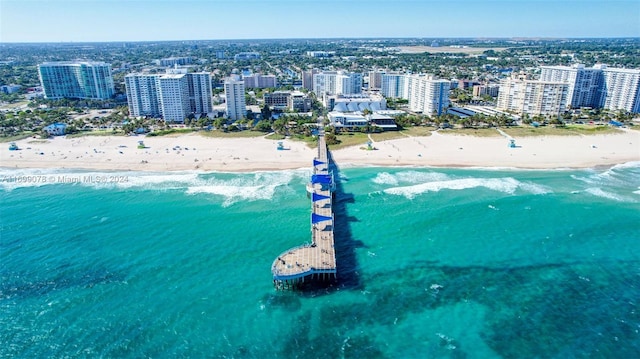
142, 95
427, 94
173, 96
583, 83
598, 86
234, 98
621, 89
81, 80
532, 97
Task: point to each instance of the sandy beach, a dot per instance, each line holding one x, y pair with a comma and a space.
194, 152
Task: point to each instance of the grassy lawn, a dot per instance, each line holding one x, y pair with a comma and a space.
275, 136
418, 131
94, 133
238, 134
593, 130
476, 132
171, 132
16, 137
570, 130
350, 139
14, 105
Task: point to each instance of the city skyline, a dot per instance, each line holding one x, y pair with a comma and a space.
171, 20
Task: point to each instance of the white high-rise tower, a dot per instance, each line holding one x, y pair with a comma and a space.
234, 96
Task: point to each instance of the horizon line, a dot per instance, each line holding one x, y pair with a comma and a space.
538, 38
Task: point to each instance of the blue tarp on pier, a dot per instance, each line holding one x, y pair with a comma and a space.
321, 179
316, 218
317, 162
318, 197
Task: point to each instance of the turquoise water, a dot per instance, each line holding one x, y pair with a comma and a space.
434, 263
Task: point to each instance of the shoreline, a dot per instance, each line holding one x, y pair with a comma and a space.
192, 152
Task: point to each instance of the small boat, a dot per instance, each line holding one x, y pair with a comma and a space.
13, 147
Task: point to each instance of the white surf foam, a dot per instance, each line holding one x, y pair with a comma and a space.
632, 164
599, 192
262, 186
411, 177
234, 186
385, 178
421, 177
506, 185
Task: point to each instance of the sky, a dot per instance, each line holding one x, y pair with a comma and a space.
155, 20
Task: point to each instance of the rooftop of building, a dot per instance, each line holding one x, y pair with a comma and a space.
67, 63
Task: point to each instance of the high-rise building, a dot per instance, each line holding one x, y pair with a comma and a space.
234, 96
324, 83
348, 83
584, 84
172, 96
307, 79
142, 95
375, 79
337, 83
395, 85
200, 96
83, 80
532, 97
427, 94
621, 89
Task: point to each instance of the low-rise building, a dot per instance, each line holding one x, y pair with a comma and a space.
356, 121
320, 54
260, 81
300, 102
355, 103
173, 61
278, 100
347, 121
9, 89
56, 129
244, 56
481, 90
386, 123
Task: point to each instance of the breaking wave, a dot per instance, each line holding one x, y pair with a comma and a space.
408, 177
505, 185
232, 187
599, 192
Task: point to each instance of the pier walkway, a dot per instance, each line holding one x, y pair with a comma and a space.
315, 261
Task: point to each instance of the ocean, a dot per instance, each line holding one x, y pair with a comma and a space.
433, 263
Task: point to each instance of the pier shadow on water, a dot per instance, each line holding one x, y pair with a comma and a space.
345, 244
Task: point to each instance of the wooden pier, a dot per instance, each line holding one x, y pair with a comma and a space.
315, 262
